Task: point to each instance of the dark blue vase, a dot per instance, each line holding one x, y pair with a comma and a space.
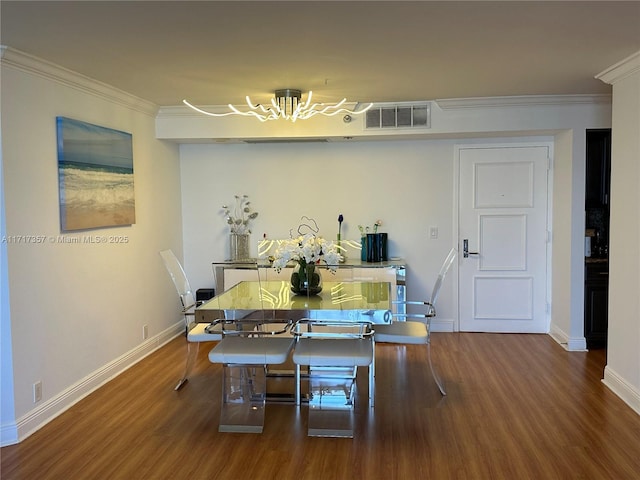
376, 247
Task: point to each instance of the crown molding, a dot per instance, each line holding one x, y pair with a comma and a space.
36, 66
521, 101
186, 112
623, 69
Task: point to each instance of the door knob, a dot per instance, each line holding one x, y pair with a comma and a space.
465, 249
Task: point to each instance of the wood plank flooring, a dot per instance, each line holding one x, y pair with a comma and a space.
518, 407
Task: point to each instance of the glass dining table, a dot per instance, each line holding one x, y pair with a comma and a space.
261, 305
353, 301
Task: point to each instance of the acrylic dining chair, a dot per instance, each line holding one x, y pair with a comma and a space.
417, 331
196, 333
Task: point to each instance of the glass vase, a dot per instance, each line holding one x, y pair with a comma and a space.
306, 279
341, 250
239, 246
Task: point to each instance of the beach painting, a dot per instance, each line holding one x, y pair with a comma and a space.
95, 172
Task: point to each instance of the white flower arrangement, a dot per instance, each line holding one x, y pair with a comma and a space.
307, 249
238, 220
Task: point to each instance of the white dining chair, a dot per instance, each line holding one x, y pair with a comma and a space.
252, 341
331, 350
245, 352
196, 333
403, 331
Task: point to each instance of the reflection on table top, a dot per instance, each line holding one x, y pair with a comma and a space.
358, 298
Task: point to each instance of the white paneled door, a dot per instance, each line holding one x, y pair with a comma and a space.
503, 227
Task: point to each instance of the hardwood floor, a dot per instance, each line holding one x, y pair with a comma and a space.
518, 407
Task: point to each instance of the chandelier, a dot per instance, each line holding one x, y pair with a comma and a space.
287, 104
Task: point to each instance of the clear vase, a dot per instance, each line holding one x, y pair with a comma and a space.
341, 250
239, 246
306, 279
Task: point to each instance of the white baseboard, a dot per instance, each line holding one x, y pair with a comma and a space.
8, 434
578, 344
618, 385
443, 325
43, 414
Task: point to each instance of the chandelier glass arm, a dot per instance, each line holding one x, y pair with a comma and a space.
211, 114
288, 106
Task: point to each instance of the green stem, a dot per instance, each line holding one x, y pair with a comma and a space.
305, 278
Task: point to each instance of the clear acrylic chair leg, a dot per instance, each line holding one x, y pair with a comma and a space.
372, 377
243, 398
436, 377
331, 402
192, 354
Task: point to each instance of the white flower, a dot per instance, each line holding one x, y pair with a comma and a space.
308, 249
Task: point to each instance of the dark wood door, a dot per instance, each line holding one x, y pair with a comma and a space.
596, 308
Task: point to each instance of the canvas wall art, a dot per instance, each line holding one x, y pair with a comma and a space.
95, 171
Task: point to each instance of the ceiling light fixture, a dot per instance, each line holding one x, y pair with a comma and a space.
288, 105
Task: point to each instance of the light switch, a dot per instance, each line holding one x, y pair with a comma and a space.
433, 233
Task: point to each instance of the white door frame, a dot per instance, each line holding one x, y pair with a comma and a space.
528, 142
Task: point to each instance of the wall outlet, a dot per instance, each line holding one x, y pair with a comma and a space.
145, 332
37, 391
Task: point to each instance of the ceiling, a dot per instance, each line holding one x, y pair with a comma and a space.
215, 53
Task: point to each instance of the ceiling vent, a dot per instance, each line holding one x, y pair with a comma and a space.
399, 116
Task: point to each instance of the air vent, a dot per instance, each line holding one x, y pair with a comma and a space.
399, 116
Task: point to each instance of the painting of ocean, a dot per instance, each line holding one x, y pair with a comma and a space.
95, 172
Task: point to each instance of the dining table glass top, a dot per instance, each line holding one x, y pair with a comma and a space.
344, 300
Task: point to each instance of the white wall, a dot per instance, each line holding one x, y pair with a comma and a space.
622, 373
400, 183
561, 274
567, 308
9, 433
77, 310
